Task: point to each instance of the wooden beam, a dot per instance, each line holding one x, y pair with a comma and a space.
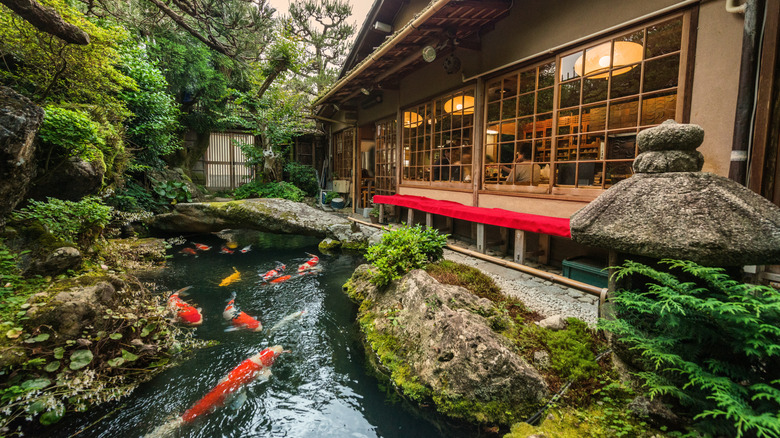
381, 213
481, 238
520, 246
410, 217
544, 249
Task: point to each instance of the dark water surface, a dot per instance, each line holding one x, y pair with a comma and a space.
321, 389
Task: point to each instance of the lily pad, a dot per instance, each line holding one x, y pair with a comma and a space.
115, 336
115, 362
79, 359
33, 384
52, 366
148, 329
128, 356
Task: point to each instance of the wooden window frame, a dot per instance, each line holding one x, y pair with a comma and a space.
386, 157
343, 153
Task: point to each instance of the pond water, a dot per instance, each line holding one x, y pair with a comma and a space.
320, 389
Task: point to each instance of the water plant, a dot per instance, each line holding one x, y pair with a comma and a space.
706, 340
404, 249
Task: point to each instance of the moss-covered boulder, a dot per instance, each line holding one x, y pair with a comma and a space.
435, 344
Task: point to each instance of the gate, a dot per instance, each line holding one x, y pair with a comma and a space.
224, 164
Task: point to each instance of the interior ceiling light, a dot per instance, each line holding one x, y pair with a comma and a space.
599, 59
412, 119
429, 53
460, 105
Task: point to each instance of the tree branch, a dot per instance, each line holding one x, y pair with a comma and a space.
183, 24
47, 20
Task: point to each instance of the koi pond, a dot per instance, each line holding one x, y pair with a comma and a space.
322, 388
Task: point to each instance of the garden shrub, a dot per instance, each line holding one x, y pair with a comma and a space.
707, 340
72, 134
78, 222
404, 249
304, 177
282, 189
173, 192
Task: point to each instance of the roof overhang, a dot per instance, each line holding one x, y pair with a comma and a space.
443, 24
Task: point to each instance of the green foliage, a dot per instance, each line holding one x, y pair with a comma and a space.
709, 341
571, 351
77, 222
283, 190
471, 278
404, 249
173, 191
72, 134
9, 272
152, 130
302, 176
47, 69
134, 198
330, 196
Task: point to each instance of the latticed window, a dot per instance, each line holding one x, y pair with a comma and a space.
385, 167
438, 138
343, 145
572, 121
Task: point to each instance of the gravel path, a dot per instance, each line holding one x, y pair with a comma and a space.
545, 297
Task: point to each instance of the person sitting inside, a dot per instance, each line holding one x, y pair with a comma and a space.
441, 167
518, 173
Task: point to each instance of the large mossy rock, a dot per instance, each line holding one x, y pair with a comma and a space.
435, 344
19, 122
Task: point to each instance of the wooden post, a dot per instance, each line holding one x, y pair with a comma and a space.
504, 239
544, 249
481, 238
381, 213
428, 220
448, 224
410, 217
520, 244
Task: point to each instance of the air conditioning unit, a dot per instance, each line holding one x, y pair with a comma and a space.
341, 185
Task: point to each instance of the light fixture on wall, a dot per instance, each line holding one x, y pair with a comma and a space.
383, 27
429, 53
412, 119
460, 105
365, 91
599, 59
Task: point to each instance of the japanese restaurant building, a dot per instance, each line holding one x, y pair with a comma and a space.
534, 106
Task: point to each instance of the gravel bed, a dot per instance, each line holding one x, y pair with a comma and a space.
545, 297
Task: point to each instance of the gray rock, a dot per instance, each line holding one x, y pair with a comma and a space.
71, 181
555, 322
448, 346
669, 161
57, 262
69, 312
655, 412
670, 135
541, 359
19, 122
698, 216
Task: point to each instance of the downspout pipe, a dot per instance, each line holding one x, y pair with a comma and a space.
746, 97
382, 50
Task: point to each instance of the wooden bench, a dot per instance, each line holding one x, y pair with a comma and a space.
545, 226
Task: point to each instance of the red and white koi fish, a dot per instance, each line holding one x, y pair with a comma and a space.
308, 264
250, 369
240, 319
189, 251
202, 247
273, 273
183, 311
246, 249
226, 250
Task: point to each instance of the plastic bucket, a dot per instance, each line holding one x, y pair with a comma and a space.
337, 203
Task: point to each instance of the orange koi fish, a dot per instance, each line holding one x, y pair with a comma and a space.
189, 251
281, 279
240, 319
309, 264
226, 250
246, 249
202, 247
232, 278
250, 369
183, 311
273, 273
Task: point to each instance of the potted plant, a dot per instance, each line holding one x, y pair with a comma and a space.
374, 215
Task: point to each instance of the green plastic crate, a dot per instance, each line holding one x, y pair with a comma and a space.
586, 270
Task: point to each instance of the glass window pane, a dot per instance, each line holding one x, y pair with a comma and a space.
625, 83
494, 91
506, 153
542, 150
510, 86
658, 108
664, 38
594, 118
589, 174
525, 128
507, 132
617, 171
568, 122
527, 81
623, 114
508, 109
544, 102
565, 174
544, 125
592, 147
525, 105
570, 68
547, 75
594, 89
621, 145
494, 112
566, 148
570, 94
661, 73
